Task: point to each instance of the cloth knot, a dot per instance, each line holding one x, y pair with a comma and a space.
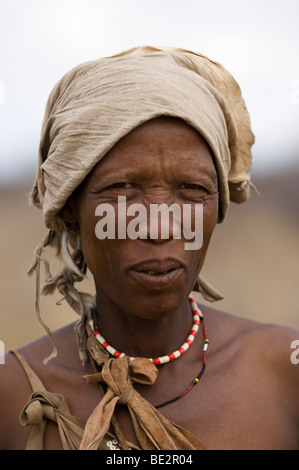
44, 406
120, 374
152, 429
116, 375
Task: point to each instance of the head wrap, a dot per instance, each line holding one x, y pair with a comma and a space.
97, 103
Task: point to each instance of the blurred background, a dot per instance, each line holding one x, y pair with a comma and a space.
253, 257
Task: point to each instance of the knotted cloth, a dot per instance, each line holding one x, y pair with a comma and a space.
152, 429
46, 406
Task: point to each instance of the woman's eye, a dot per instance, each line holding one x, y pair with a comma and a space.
193, 191
122, 185
191, 186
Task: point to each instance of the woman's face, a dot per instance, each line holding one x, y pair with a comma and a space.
164, 161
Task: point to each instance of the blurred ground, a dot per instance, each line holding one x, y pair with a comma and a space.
253, 260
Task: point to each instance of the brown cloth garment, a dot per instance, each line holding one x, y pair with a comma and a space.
153, 430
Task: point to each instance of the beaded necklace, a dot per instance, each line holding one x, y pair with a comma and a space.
197, 319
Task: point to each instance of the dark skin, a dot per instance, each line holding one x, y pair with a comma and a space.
248, 397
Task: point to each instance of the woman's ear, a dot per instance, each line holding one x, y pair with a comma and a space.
69, 213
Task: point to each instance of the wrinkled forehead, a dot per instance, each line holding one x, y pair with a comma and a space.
161, 145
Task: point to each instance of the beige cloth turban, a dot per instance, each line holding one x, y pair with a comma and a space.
97, 103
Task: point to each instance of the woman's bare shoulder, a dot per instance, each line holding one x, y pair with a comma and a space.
276, 347
277, 339
15, 389
272, 348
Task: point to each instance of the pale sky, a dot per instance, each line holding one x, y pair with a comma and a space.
257, 41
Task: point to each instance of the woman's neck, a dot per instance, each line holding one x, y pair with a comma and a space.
137, 336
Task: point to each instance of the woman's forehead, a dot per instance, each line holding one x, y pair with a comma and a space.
166, 140
160, 128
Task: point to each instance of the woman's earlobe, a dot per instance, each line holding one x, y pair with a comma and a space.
69, 213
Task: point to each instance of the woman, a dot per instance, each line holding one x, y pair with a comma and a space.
146, 127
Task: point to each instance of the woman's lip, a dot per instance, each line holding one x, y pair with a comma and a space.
157, 266
157, 280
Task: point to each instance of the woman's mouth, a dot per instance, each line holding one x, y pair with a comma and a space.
157, 273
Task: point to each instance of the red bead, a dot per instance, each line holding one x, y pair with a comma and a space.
181, 350
117, 353
105, 344
156, 361
171, 357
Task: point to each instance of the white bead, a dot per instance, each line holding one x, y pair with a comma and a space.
164, 359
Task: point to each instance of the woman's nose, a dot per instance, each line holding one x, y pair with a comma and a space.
161, 222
